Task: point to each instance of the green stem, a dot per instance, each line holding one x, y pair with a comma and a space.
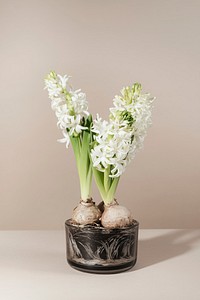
107, 186
80, 146
112, 190
107, 179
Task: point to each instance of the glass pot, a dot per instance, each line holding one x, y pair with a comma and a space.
95, 249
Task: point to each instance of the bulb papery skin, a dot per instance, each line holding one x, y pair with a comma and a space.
86, 213
101, 206
116, 216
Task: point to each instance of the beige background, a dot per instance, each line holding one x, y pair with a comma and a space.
103, 45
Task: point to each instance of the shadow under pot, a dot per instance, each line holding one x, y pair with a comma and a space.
95, 249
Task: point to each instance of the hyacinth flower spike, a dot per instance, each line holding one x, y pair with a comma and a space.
115, 144
71, 109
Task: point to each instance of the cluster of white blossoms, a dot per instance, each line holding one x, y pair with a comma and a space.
111, 145
70, 106
116, 141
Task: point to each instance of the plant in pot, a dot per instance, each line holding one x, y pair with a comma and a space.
103, 238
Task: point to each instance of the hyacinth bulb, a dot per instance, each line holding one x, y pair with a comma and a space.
86, 213
116, 216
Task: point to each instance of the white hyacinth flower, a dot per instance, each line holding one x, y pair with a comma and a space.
116, 141
70, 106
108, 146
111, 145
71, 109
65, 140
133, 110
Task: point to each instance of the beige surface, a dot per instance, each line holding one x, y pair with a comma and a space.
33, 266
103, 45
